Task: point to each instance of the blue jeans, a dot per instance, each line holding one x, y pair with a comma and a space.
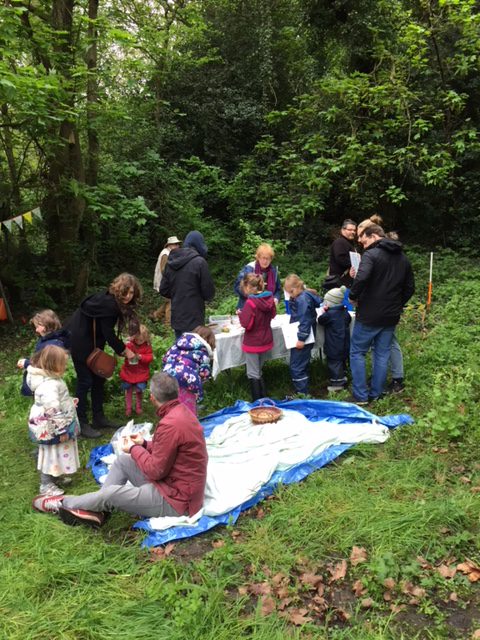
363, 338
396, 360
299, 365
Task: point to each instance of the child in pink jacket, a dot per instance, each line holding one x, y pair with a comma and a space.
255, 318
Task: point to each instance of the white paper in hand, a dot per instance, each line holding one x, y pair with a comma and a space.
355, 259
290, 335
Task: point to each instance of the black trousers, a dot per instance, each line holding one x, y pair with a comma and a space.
87, 381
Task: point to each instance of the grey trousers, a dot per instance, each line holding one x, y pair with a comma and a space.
254, 362
141, 499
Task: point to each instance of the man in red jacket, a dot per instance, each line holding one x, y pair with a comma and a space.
167, 474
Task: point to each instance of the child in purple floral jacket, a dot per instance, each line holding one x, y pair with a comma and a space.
190, 362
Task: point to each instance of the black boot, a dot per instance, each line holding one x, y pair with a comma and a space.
263, 388
255, 389
86, 431
101, 422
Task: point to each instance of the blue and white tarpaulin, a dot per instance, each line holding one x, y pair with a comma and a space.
247, 462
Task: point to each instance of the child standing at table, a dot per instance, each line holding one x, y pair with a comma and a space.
53, 422
255, 318
336, 322
135, 371
190, 362
49, 331
303, 303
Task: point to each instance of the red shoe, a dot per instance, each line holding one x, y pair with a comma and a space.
47, 504
73, 517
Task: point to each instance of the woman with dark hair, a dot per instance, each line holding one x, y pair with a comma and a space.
93, 325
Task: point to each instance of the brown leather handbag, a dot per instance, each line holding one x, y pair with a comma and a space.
100, 363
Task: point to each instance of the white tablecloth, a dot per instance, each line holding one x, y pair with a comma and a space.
229, 354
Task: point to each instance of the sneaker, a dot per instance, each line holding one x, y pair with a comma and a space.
74, 517
50, 489
360, 403
396, 386
47, 504
333, 388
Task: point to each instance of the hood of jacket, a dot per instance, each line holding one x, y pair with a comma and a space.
180, 257
35, 377
195, 240
190, 341
100, 305
263, 301
392, 246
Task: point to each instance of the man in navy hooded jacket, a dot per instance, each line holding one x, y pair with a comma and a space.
188, 284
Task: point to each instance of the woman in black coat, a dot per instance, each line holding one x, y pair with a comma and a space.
105, 310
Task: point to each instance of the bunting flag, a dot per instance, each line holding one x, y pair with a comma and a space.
28, 217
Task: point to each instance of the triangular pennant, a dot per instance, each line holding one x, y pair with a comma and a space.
8, 224
36, 212
19, 220
28, 217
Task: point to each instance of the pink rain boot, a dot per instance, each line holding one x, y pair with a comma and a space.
128, 401
138, 402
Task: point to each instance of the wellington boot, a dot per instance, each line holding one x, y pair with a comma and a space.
255, 389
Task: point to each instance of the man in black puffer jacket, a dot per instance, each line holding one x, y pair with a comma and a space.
188, 283
383, 285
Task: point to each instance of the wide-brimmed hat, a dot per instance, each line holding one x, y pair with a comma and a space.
172, 240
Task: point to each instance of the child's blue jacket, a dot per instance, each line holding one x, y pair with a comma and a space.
336, 321
302, 310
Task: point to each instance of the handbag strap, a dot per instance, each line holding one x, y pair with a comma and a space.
94, 333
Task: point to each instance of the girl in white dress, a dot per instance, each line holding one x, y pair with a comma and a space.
53, 422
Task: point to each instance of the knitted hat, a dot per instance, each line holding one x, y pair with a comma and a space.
335, 296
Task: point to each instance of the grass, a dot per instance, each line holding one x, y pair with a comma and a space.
411, 503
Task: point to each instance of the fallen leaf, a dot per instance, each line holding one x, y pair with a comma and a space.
242, 591
343, 615
367, 603
458, 469
389, 583
320, 589
169, 548
465, 480
423, 563
321, 602
476, 634
359, 554
298, 617
474, 576
260, 514
440, 450
358, 588
446, 572
267, 605
396, 608
387, 596
310, 579
216, 544
406, 586
278, 579
284, 602
453, 597
282, 592
260, 589
235, 533
339, 571
474, 489
418, 592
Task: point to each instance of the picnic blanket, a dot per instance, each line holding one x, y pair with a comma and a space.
247, 462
